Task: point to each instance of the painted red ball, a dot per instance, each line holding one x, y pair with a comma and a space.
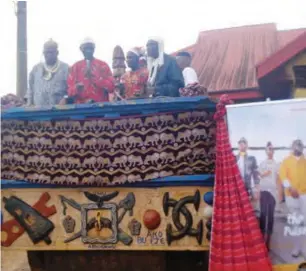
151, 219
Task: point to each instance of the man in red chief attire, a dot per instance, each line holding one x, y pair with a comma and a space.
90, 80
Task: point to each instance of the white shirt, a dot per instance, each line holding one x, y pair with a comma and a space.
241, 166
268, 183
190, 76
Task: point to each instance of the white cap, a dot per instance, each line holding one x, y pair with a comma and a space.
87, 41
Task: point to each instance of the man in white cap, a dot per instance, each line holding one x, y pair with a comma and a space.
135, 80
90, 80
165, 76
48, 80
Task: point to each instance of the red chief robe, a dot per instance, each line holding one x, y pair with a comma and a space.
96, 87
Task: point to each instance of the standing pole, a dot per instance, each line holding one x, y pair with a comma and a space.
22, 71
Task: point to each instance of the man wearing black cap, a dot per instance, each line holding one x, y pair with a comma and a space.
249, 170
183, 59
191, 81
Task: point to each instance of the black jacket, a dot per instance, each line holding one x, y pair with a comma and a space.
169, 78
250, 171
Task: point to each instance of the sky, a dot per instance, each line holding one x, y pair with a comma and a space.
130, 23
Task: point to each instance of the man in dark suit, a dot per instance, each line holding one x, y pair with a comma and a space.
249, 170
165, 76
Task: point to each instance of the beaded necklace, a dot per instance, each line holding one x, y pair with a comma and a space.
50, 70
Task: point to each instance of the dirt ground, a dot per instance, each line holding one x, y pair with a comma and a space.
19, 263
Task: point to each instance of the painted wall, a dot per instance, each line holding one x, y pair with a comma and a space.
299, 60
59, 205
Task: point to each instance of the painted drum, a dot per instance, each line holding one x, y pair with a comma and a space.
209, 198
151, 219
208, 212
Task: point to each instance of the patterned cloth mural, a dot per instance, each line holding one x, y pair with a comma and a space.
108, 151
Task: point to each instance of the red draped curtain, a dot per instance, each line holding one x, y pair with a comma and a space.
236, 241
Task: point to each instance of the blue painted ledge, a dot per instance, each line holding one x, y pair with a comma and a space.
192, 180
130, 107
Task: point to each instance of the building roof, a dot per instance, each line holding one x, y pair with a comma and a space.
282, 56
226, 59
286, 36
189, 49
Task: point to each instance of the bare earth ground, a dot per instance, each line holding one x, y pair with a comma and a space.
14, 261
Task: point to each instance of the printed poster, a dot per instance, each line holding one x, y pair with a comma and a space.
269, 142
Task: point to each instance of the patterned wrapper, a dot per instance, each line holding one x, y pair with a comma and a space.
108, 151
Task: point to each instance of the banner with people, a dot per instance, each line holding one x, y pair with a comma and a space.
269, 142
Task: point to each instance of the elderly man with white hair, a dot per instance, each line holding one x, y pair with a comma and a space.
48, 79
90, 80
165, 76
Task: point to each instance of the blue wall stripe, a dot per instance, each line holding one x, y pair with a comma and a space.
190, 180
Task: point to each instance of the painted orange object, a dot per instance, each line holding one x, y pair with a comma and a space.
14, 230
151, 219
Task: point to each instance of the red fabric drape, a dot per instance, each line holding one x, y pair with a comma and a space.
236, 241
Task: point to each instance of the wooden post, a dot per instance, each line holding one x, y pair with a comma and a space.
22, 72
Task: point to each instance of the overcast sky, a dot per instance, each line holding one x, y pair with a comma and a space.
129, 23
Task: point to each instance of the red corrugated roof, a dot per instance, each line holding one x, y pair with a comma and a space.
225, 59
286, 36
282, 56
189, 49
